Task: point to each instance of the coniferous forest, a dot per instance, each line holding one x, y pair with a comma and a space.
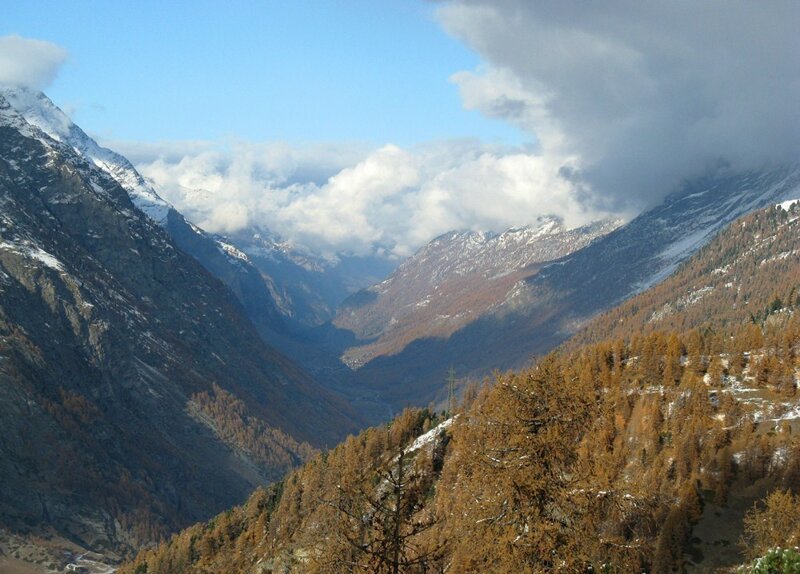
654, 449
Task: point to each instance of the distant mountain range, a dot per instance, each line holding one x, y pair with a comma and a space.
451, 282
308, 288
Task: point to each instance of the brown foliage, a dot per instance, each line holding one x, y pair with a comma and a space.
594, 457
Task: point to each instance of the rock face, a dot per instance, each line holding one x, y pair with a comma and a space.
108, 335
549, 301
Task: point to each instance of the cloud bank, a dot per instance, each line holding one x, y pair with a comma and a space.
644, 94
28, 62
387, 200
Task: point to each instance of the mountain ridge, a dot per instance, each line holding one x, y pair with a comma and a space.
452, 280
251, 287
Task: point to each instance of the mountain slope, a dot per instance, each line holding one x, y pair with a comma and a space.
549, 306
651, 246
286, 292
308, 288
749, 273
125, 367
452, 281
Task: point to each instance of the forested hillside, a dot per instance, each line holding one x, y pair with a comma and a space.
749, 272
670, 443
618, 457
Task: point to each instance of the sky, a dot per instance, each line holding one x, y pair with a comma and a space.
375, 126
304, 71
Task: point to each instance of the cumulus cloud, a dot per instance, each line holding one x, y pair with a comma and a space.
640, 94
388, 200
28, 62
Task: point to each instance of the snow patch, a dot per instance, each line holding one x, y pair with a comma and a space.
430, 436
38, 111
34, 252
231, 251
787, 205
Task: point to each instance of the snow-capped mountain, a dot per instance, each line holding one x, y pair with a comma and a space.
307, 287
255, 291
452, 281
653, 245
282, 287
748, 273
39, 111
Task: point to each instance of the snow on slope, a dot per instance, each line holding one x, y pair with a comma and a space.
786, 205
31, 251
709, 212
427, 438
39, 111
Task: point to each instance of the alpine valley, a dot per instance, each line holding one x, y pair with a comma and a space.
661, 438
153, 375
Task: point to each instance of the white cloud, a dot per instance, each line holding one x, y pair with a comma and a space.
641, 94
335, 198
28, 62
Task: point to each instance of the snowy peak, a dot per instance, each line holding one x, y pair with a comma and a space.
37, 110
262, 243
463, 253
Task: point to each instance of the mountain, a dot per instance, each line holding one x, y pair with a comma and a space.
286, 291
306, 286
135, 394
555, 299
254, 290
452, 281
663, 438
651, 246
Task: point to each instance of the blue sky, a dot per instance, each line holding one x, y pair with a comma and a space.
295, 71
